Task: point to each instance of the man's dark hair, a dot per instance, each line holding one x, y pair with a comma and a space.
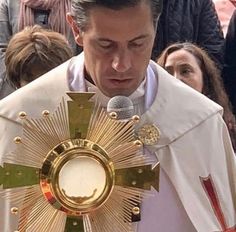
80, 8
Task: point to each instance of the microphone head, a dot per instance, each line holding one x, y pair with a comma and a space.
122, 106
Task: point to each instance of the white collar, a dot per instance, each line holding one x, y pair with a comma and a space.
136, 96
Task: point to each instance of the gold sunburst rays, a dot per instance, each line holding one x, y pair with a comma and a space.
129, 155
40, 136
17, 195
117, 211
107, 132
41, 216
112, 215
35, 212
79, 133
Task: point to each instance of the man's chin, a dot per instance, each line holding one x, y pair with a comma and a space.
123, 92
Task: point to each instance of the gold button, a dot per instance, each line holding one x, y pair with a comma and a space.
14, 210
136, 210
17, 140
22, 115
45, 113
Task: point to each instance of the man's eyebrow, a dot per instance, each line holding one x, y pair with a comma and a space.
105, 39
132, 40
139, 37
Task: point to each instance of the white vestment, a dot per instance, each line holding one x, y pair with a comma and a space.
194, 148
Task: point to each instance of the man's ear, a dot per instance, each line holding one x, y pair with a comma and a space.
76, 31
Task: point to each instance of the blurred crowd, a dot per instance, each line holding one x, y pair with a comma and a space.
225, 9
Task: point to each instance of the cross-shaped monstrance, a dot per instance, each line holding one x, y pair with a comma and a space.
77, 169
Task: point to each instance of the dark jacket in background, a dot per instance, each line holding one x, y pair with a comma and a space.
194, 21
229, 71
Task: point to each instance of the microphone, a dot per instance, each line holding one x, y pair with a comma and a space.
122, 106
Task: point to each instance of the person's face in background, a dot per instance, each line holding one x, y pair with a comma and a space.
117, 47
184, 66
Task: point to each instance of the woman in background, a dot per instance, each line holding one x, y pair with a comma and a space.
193, 66
15, 15
33, 52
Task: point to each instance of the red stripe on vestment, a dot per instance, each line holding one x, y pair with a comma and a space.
211, 192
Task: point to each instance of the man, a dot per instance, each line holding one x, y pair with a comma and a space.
198, 169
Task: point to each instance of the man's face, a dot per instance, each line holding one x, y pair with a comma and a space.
117, 47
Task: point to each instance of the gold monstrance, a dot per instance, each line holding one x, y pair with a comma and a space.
77, 170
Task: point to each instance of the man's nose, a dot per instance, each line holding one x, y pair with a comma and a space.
121, 61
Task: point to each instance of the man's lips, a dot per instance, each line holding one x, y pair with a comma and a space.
120, 81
